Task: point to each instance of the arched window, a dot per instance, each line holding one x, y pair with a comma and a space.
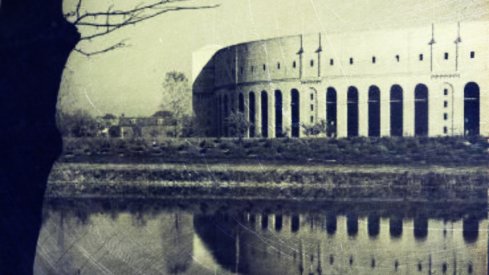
471, 109
278, 114
396, 103
373, 225
395, 226
374, 111
252, 114
264, 114
421, 110
352, 224
331, 112
295, 113
352, 112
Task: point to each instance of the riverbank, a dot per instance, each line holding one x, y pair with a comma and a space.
412, 151
269, 181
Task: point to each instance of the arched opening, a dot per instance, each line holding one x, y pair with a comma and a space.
373, 111
331, 221
295, 223
264, 114
352, 112
396, 110
420, 228
219, 115
241, 103
226, 115
264, 221
471, 109
278, 222
331, 112
395, 226
470, 229
252, 114
421, 110
352, 224
373, 225
278, 114
295, 113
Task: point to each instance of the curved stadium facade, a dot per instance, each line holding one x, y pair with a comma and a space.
427, 81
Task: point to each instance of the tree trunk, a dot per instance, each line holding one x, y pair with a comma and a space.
35, 42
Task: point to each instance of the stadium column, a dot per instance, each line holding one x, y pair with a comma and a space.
484, 107
246, 113
341, 111
385, 111
408, 106
271, 113
320, 106
258, 113
363, 92
457, 102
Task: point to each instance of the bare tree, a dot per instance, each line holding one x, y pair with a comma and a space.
36, 39
96, 24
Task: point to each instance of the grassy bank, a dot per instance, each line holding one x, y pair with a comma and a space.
314, 182
447, 151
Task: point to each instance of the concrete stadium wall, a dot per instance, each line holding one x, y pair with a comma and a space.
438, 56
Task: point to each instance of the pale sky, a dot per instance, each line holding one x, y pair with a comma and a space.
128, 80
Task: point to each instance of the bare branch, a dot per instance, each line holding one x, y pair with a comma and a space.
77, 10
132, 20
105, 22
121, 44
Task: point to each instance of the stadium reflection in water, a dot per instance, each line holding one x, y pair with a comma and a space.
249, 237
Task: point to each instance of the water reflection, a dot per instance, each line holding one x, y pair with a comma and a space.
224, 237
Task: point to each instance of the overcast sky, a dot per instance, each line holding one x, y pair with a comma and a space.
128, 80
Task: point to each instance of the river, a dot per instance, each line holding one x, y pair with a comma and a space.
122, 236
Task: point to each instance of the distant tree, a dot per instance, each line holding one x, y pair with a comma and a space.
77, 124
163, 114
238, 124
177, 99
109, 116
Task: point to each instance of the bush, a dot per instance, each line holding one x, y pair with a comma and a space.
395, 150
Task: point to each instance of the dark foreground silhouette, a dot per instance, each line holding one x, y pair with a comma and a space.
35, 42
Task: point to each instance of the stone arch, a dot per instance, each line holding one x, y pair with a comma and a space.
295, 113
374, 111
252, 113
264, 113
352, 112
278, 114
396, 106
331, 112
421, 110
471, 109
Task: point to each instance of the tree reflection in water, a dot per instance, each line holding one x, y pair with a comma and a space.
224, 237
